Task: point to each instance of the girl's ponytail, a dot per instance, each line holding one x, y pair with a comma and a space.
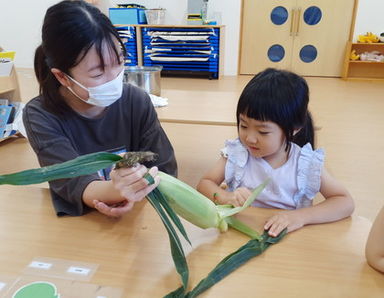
306, 134
48, 84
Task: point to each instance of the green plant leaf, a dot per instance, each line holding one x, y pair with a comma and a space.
82, 165
177, 251
178, 293
234, 260
238, 225
225, 212
171, 213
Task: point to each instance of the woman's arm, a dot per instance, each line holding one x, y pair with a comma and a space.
118, 195
374, 250
337, 205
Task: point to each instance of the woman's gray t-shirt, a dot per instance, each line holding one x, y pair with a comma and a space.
129, 124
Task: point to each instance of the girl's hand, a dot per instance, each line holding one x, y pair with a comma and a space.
236, 198
131, 185
285, 219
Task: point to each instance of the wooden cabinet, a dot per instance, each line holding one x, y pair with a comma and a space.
357, 69
305, 36
9, 89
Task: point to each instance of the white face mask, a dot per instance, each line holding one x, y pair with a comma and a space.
103, 95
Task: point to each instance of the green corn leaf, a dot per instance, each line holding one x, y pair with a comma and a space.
177, 251
164, 203
224, 212
237, 224
234, 260
82, 165
178, 293
172, 215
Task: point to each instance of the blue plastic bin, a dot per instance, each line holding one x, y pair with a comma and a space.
127, 16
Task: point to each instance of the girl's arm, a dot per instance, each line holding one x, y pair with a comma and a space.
374, 250
209, 185
338, 204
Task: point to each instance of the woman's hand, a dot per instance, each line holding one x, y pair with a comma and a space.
131, 187
285, 219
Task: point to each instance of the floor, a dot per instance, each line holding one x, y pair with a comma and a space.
348, 115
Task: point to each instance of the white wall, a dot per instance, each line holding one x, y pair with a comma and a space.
20, 27
370, 17
20, 23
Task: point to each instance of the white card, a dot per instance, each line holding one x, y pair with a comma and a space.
78, 270
40, 265
2, 285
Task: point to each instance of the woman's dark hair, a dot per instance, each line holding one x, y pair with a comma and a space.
281, 97
69, 30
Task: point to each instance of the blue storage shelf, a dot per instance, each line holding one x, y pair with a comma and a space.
193, 51
128, 35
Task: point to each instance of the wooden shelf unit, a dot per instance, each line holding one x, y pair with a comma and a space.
363, 70
9, 89
9, 85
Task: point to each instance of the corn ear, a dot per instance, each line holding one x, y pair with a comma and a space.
190, 204
201, 211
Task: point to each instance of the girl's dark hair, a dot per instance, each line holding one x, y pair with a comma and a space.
69, 30
281, 97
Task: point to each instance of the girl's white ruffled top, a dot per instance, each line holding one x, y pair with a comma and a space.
293, 185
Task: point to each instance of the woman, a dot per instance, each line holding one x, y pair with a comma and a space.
84, 107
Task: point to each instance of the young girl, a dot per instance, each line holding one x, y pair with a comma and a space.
84, 107
276, 138
374, 249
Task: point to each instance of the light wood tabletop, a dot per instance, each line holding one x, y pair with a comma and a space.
211, 102
133, 253
206, 107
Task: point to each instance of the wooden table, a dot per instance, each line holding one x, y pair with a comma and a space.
133, 252
207, 107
